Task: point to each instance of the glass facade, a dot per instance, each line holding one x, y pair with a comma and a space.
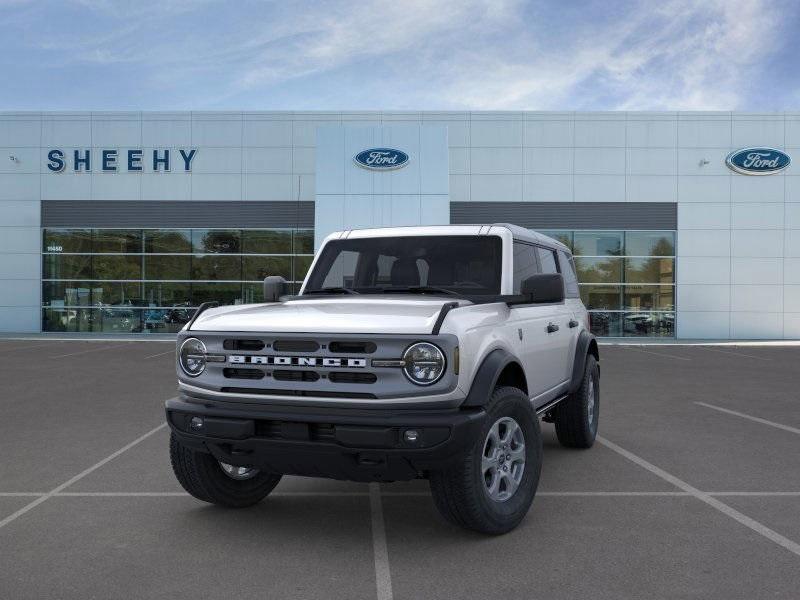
151, 280
627, 280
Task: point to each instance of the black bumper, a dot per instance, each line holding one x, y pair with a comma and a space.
357, 445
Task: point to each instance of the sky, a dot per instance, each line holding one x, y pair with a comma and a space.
400, 55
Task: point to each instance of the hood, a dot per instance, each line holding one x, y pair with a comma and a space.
350, 314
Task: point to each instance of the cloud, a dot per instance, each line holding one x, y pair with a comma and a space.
449, 54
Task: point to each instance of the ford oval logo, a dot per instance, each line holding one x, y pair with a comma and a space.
758, 161
381, 159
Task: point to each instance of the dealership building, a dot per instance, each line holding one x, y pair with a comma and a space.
683, 224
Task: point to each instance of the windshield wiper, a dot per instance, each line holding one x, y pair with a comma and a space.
330, 290
418, 289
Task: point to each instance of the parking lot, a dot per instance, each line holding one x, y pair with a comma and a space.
693, 491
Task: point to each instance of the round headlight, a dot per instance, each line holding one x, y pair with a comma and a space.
424, 363
192, 357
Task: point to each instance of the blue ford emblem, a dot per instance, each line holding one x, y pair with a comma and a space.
381, 159
758, 161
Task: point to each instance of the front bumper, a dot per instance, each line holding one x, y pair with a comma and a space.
352, 444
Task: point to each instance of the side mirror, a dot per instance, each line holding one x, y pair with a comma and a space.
274, 288
544, 288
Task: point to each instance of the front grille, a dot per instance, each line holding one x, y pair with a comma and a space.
283, 375
355, 347
311, 393
290, 430
351, 377
243, 373
248, 345
295, 346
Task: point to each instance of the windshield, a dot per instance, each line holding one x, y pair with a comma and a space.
467, 264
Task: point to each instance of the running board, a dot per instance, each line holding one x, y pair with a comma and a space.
551, 404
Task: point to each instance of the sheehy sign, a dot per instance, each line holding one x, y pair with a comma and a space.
134, 160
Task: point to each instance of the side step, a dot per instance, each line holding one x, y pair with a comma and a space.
550, 405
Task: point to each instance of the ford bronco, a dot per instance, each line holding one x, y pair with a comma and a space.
410, 352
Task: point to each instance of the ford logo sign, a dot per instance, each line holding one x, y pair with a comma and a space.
381, 159
758, 161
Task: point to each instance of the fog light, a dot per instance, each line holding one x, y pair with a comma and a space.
411, 436
196, 423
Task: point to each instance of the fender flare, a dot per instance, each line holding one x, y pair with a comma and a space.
587, 344
486, 377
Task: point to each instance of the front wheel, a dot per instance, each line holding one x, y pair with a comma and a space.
210, 480
491, 489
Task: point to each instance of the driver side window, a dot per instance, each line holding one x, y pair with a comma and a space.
525, 264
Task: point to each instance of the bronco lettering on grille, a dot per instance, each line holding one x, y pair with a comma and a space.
298, 361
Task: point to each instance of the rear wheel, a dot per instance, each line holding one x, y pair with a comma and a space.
576, 418
210, 480
491, 489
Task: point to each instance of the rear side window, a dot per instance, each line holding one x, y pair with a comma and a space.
547, 260
570, 278
525, 264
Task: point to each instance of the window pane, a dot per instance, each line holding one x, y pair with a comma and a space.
649, 270
547, 260
256, 268
650, 243
267, 241
525, 264
117, 267
304, 241
168, 267
67, 266
252, 293
67, 319
606, 324
117, 320
224, 293
176, 317
602, 297
67, 240
167, 294
565, 237
568, 271
167, 240
217, 267
598, 243
217, 240
301, 266
599, 270
649, 297
117, 240
648, 324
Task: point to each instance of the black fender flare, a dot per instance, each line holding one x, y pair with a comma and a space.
487, 375
587, 344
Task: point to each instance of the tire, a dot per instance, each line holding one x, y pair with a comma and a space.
202, 476
576, 418
460, 492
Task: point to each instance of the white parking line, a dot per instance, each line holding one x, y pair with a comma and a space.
734, 514
751, 418
657, 353
383, 576
172, 351
742, 354
81, 475
87, 351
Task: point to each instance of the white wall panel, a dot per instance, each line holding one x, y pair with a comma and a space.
547, 188
19, 292
19, 266
64, 132
495, 133
27, 159
702, 161
19, 186
757, 215
599, 188
66, 186
652, 161
761, 132
496, 188
704, 134
703, 325
264, 186
767, 298
19, 133
704, 188
703, 298
216, 187
460, 188
267, 160
19, 213
545, 133
166, 133
651, 188
704, 242
600, 161
791, 243
703, 270
459, 161
756, 243
116, 134
214, 160
267, 133
166, 186
496, 161
116, 186
791, 271
217, 133
548, 161
756, 325
758, 189
596, 134
662, 133
764, 271
704, 216
20, 319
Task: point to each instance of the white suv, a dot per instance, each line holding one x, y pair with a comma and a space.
413, 352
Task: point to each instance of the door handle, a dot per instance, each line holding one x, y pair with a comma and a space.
552, 328
572, 323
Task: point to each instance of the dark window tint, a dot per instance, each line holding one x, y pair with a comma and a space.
599, 270
304, 241
168, 267
463, 264
649, 270
67, 240
565, 237
267, 241
568, 271
117, 240
226, 241
525, 264
256, 268
547, 260
215, 267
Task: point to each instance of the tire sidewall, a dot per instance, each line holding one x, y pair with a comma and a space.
510, 402
591, 380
